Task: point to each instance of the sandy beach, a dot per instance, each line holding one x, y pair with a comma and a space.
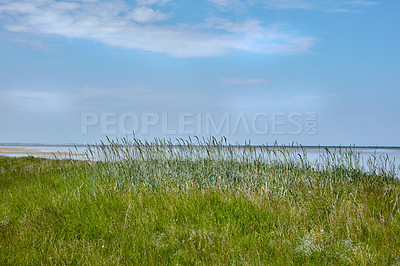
34, 151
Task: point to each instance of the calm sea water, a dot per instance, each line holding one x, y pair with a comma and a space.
77, 152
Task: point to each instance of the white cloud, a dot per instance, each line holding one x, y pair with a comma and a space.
239, 6
221, 2
151, 2
142, 98
243, 81
34, 101
314, 5
116, 25
348, 6
314, 97
228, 3
288, 4
145, 15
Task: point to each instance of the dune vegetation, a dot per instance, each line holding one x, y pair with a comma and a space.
201, 201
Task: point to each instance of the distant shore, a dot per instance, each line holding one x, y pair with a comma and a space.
23, 150
67, 150
255, 146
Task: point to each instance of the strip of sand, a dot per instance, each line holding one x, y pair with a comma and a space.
7, 151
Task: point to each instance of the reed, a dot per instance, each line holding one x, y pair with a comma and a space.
211, 164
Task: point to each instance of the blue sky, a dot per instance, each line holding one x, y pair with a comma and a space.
313, 72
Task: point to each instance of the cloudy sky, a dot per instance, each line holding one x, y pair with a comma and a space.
313, 72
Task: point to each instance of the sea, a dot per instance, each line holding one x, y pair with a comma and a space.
390, 155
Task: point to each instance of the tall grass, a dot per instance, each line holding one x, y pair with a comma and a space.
216, 164
199, 201
275, 172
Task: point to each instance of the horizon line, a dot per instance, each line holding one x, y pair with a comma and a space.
233, 145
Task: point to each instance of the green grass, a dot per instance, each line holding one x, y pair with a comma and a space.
209, 204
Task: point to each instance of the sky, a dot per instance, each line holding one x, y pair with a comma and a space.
311, 72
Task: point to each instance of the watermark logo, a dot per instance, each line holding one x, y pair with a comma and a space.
191, 123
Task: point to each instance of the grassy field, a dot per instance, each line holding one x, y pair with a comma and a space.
202, 203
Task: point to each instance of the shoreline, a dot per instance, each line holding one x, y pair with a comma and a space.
22, 149
12, 150
8, 145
